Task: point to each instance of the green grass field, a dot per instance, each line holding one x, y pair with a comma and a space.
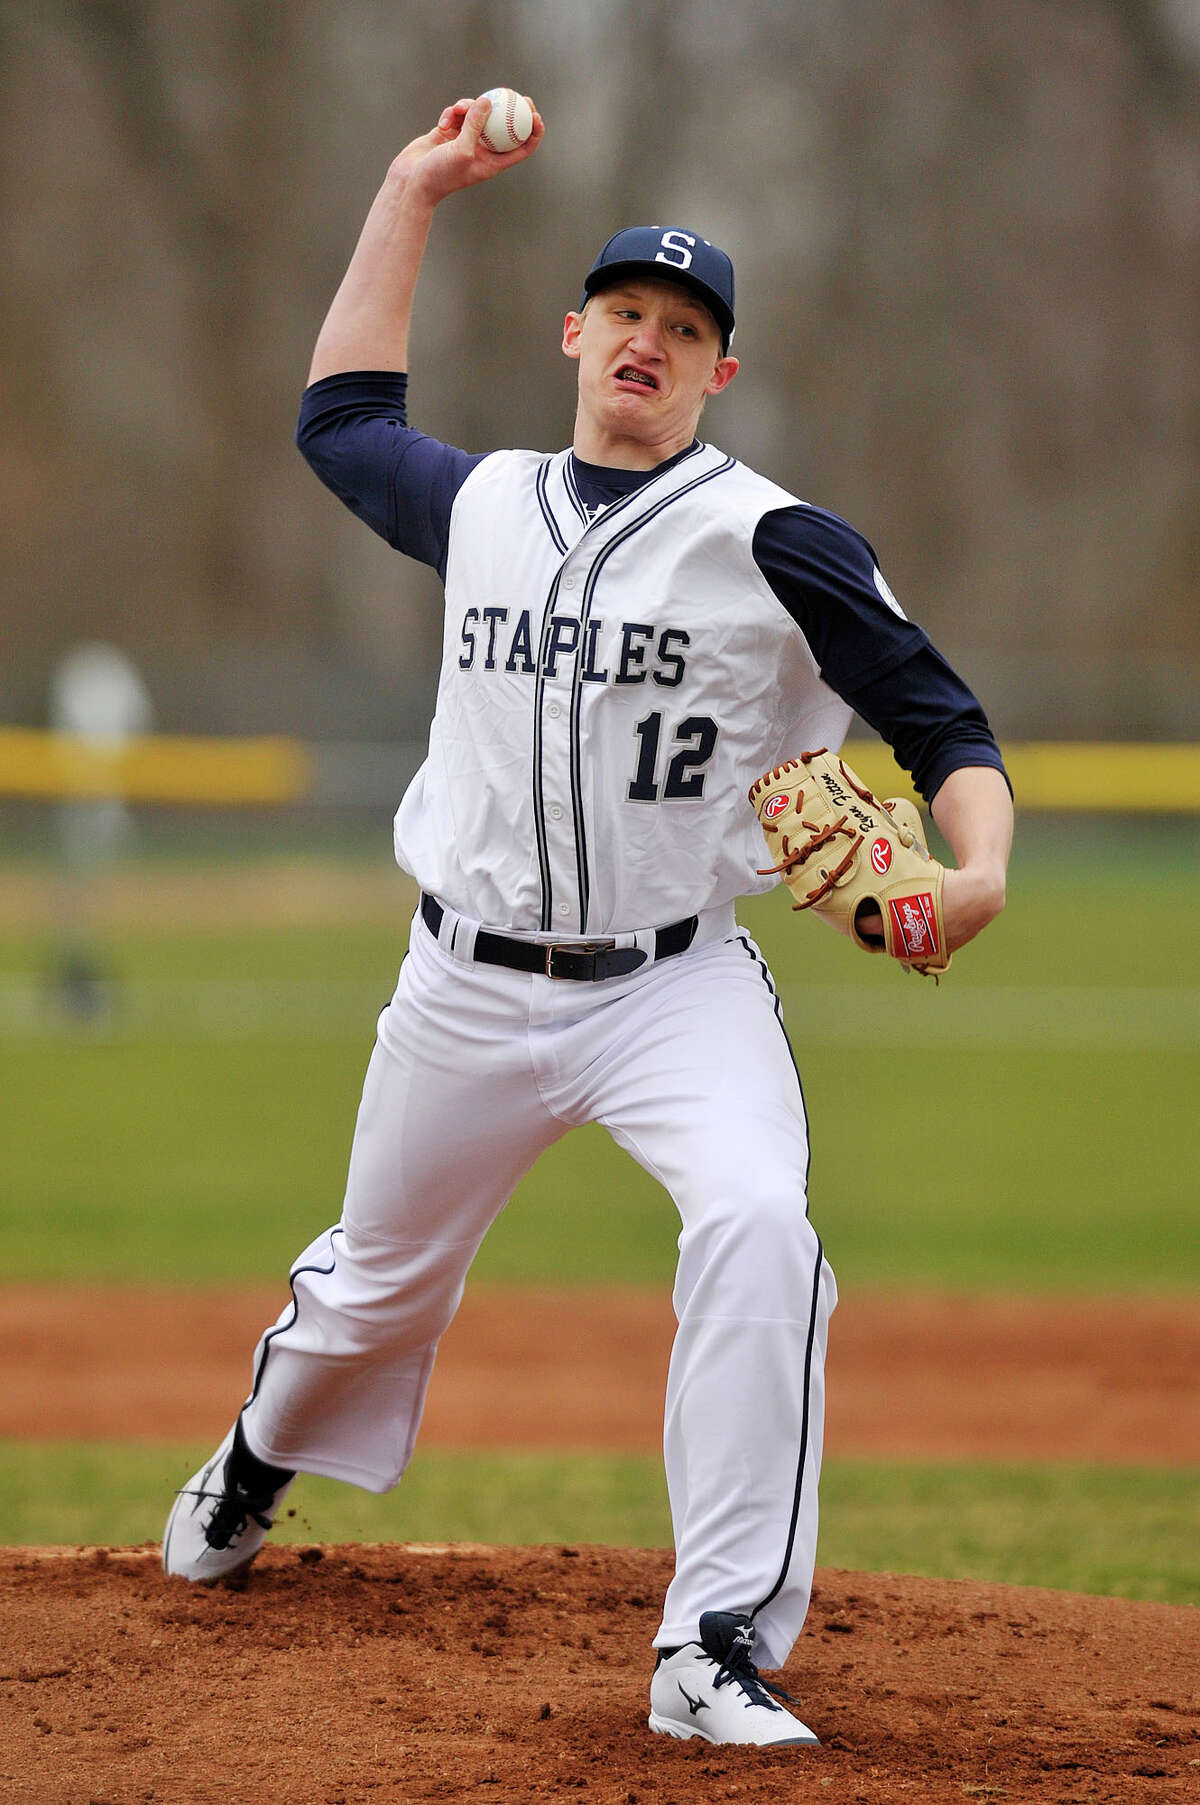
1028, 1126
1126, 1531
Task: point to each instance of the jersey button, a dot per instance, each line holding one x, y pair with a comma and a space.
556, 813
554, 711
564, 908
568, 582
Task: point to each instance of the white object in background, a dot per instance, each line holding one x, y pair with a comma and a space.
97, 694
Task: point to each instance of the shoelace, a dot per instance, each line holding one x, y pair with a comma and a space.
235, 1511
738, 1666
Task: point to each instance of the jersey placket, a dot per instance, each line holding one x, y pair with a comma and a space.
554, 805
559, 802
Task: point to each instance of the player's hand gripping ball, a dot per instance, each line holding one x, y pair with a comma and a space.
510, 121
839, 850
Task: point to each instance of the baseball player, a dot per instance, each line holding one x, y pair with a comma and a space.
635, 629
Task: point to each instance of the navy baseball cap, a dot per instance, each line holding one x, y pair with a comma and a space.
670, 254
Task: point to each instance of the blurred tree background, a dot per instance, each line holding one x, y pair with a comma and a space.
967, 235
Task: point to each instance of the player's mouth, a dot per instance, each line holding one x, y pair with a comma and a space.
628, 375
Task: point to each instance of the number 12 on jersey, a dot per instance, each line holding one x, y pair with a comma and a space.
696, 738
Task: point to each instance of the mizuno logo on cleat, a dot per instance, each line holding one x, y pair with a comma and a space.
693, 1704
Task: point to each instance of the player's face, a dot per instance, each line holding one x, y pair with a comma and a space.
649, 354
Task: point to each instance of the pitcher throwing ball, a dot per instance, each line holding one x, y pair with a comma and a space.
637, 628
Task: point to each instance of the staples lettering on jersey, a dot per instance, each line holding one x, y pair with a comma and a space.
639, 653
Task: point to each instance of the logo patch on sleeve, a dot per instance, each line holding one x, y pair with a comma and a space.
881, 856
915, 925
776, 805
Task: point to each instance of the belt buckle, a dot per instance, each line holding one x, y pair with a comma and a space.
585, 948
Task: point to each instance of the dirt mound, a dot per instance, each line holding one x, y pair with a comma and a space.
370, 1676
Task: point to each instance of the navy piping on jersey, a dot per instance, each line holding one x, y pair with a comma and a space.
581, 860
798, 1489
560, 544
539, 800
542, 839
583, 874
572, 488
282, 1327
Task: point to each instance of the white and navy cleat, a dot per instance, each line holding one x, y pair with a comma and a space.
713, 1690
217, 1526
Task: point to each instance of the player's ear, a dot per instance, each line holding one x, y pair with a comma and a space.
723, 374
572, 327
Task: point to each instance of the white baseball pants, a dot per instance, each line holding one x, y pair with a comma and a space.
475, 1072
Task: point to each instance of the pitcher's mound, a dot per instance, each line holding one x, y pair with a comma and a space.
364, 1675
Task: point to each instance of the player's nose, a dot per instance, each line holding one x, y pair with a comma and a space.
648, 338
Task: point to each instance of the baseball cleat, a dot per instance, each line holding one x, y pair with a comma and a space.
216, 1527
713, 1690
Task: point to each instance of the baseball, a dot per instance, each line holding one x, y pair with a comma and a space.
510, 121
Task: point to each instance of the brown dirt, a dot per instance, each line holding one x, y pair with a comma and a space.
352, 1676
346, 1676
1089, 1380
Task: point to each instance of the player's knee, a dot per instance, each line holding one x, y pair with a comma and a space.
760, 1222
381, 1303
777, 1224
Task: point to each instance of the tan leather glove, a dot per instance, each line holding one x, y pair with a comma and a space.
841, 851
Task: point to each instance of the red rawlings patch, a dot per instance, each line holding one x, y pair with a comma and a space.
776, 805
881, 856
914, 925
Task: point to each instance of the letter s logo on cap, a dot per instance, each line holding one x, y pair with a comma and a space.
679, 244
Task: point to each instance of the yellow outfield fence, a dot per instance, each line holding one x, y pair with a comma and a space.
1070, 776
193, 771
153, 767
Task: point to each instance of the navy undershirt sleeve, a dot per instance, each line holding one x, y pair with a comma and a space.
354, 432
827, 577
929, 718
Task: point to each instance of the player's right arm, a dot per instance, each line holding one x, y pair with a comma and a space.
353, 427
354, 434
367, 325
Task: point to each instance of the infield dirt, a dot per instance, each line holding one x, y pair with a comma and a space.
359, 1676
940, 1377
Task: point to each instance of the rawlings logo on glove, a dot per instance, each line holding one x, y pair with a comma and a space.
841, 852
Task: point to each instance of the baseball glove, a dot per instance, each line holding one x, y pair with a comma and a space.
841, 852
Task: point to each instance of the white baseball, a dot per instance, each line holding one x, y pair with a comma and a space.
510, 121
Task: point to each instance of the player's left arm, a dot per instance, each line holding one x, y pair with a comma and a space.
973, 809
826, 576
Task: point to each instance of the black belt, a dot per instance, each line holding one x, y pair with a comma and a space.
585, 962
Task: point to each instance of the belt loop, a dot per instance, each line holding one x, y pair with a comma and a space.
451, 931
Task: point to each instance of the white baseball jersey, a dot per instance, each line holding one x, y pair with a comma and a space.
609, 692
